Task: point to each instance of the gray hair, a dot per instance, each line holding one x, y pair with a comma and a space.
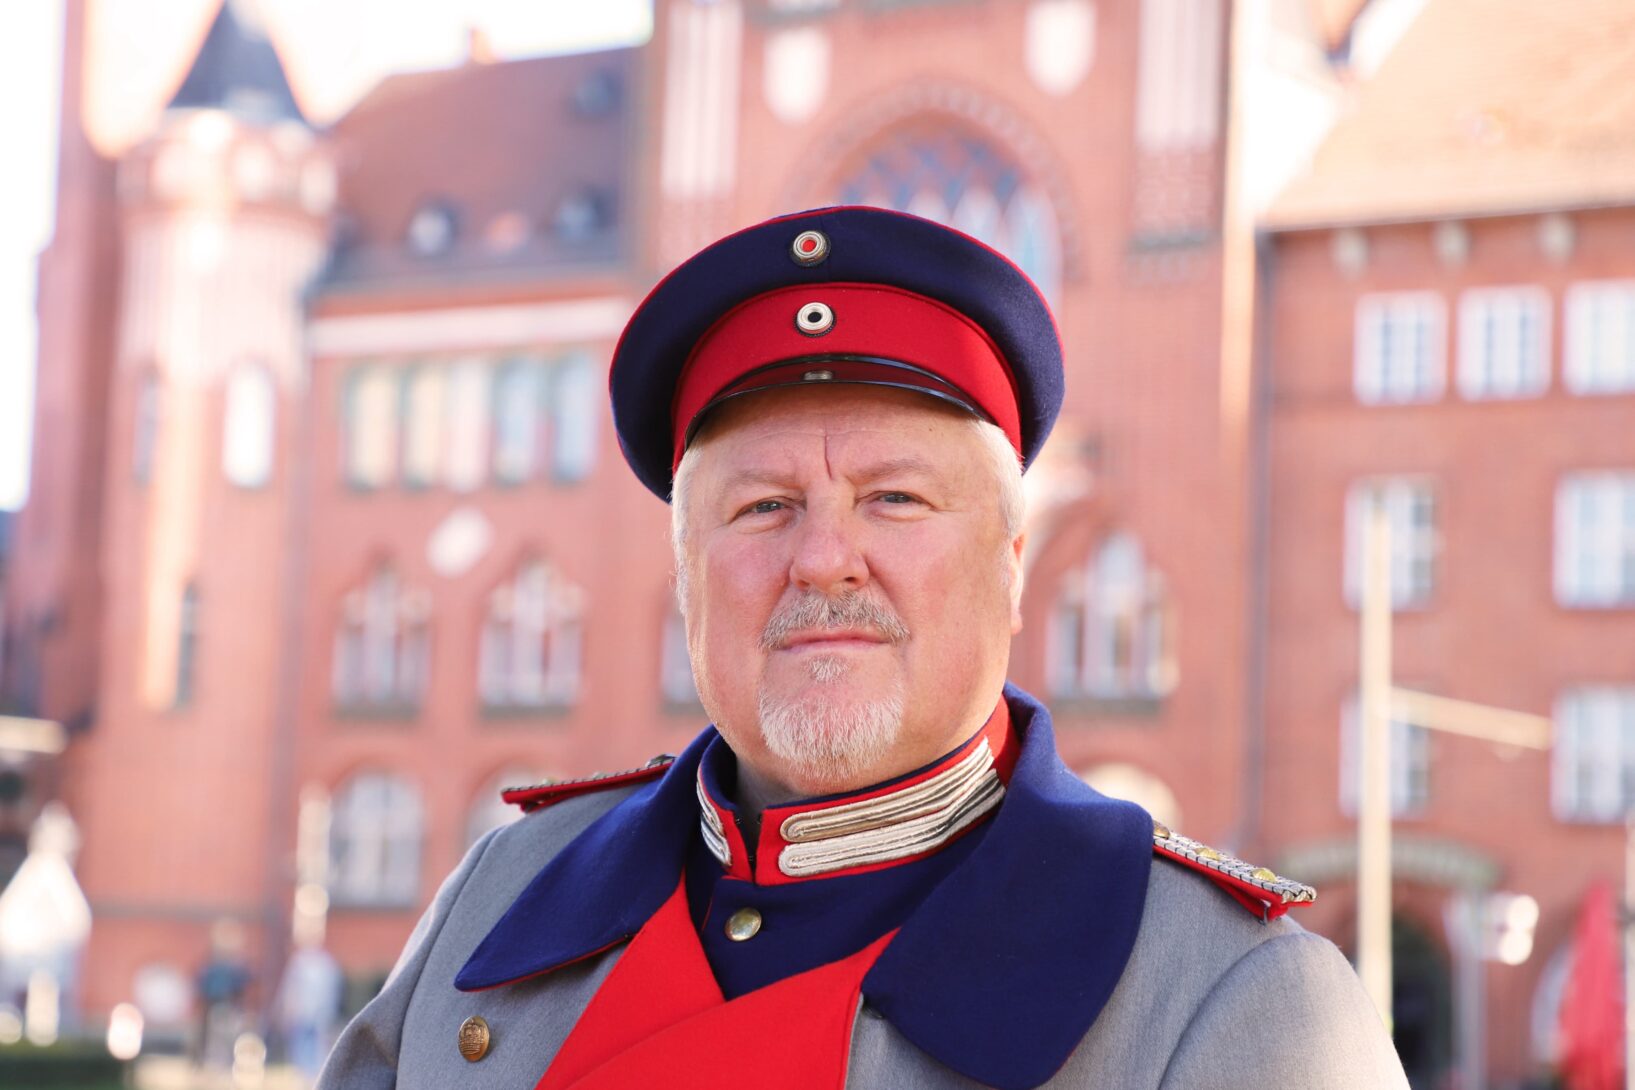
1007, 471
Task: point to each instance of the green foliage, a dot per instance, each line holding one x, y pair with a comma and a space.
80, 1065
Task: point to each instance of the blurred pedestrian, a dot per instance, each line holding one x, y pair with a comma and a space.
223, 983
309, 1003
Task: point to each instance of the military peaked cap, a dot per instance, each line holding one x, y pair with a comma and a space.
835, 295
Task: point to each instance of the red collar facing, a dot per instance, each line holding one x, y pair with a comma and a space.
885, 825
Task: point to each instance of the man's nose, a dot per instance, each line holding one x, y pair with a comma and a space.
828, 555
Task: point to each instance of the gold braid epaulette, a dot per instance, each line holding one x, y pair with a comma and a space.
1259, 889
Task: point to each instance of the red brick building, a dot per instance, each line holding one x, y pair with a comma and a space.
335, 512
1452, 316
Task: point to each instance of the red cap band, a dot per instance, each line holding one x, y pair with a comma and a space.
872, 334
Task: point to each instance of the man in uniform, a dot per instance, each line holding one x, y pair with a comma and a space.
872, 870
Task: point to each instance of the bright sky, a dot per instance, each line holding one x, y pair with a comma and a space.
334, 51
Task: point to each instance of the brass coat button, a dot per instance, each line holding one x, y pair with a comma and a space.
474, 1038
744, 924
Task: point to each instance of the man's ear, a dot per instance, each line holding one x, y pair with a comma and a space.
1013, 557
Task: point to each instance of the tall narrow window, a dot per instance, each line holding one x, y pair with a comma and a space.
425, 413
374, 842
531, 641
576, 407
1504, 336
1593, 773
248, 440
1595, 539
1178, 97
468, 422
371, 426
145, 422
518, 399
187, 646
1410, 508
1400, 348
1410, 773
1110, 632
1600, 342
382, 647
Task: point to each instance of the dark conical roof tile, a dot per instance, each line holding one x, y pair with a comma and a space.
237, 69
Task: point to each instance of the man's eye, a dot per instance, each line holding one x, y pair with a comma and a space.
897, 497
765, 507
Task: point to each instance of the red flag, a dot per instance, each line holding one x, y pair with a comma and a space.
1592, 1008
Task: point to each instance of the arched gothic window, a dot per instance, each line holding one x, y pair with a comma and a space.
531, 640
374, 841
1111, 635
957, 178
382, 646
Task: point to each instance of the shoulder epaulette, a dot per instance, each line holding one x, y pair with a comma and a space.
540, 795
1259, 889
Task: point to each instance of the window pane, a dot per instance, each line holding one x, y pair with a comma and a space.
1502, 349
1595, 544
1410, 762
576, 407
468, 426
426, 414
946, 174
1410, 505
371, 449
248, 430
1601, 337
375, 838
1593, 760
1109, 630
1399, 348
530, 642
517, 400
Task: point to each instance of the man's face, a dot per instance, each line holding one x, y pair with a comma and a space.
851, 589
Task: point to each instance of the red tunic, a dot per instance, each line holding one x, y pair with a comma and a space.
659, 1019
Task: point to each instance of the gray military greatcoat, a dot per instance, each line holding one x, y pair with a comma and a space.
1209, 997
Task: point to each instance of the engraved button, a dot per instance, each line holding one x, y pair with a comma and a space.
1265, 874
1160, 830
474, 1038
744, 924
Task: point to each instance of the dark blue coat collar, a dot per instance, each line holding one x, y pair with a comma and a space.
998, 974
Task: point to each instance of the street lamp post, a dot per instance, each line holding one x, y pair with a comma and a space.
1374, 775
1381, 704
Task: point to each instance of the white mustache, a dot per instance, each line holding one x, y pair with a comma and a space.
851, 611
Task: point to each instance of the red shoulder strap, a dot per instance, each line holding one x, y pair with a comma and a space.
540, 795
1262, 891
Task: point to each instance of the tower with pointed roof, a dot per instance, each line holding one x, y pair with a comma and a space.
223, 223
